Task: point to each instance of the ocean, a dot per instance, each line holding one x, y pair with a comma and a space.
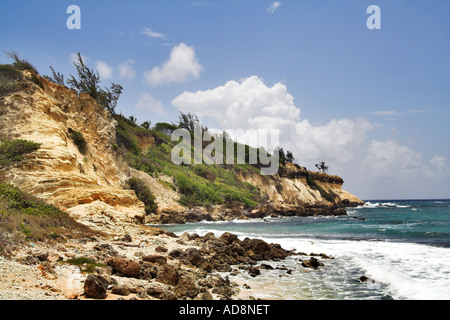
403, 247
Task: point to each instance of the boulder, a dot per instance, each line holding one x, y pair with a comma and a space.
228, 237
124, 266
120, 290
312, 263
169, 275
253, 271
95, 286
155, 259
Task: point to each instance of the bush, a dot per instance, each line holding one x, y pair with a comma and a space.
78, 139
313, 184
13, 151
9, 76
126, 140
165, 127
20, 63
195, 192
143, 193
26, 218
86, 265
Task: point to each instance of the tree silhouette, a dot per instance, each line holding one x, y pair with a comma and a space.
322, 167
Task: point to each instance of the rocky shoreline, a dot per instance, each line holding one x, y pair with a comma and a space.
235, 210
145, 264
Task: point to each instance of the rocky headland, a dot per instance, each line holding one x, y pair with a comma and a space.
126, 258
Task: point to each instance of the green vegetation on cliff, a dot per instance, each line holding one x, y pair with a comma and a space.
24, 218
199, 184
13, 151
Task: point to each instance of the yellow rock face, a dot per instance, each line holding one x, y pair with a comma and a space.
86, 185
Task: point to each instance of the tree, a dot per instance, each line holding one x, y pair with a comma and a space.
57, 77
322, 167
281, 155
20, 63
108, 97
190, 122
89, 82
146, 124
290, 157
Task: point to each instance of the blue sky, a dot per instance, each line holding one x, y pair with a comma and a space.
373, 104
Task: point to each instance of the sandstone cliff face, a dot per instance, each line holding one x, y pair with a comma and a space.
88, 186
290, 188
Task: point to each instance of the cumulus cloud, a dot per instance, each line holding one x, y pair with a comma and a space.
250, 104
274, 6
104, 70
149, 103
152, 34
126, 70
181, 66
439, 163
335, 140
391, 159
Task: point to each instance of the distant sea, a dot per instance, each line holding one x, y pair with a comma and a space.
403, 246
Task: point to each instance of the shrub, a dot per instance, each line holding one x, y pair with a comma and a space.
126, 140
143, 193
24, 217
195, 192
87, 265
78, 139
9, 76
13, 151
10, 73
313, 184
20, 63
165, 127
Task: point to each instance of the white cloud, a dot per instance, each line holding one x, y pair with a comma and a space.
391, 159
104, 70
149, 103
385, 113
439, 163
250, 104
181, 66
152, 34
274, 6
126, 70
386, 158
336, 140
245, 104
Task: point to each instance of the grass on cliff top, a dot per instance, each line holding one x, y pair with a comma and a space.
198, 184
24, 218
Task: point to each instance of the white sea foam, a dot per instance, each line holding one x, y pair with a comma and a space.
369, 204
410, 271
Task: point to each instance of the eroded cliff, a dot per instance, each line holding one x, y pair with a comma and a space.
90, 184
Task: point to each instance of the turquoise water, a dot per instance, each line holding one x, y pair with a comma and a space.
404, 246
